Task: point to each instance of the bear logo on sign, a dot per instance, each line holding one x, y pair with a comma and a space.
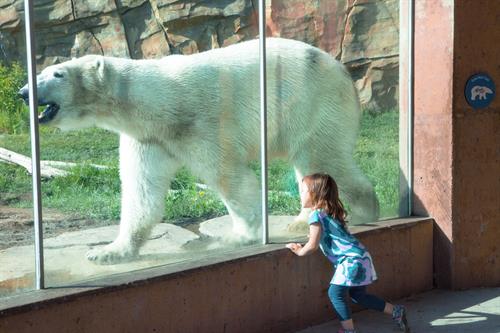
480, 91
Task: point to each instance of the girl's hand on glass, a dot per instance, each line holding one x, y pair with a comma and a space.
294, 247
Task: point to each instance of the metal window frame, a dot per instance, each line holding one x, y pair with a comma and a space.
406, 78
263, 120
35, 144
405, 127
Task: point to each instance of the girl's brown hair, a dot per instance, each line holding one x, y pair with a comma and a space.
325, 194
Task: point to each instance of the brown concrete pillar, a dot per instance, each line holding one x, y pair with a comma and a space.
457, 148
477, 147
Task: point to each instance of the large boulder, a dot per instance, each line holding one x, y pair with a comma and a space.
363, 34
193, 26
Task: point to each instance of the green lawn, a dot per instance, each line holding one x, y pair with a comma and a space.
377, 153
93, 193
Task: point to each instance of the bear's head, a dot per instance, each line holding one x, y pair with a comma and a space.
70, 92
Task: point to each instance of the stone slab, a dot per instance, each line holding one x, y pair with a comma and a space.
64, 255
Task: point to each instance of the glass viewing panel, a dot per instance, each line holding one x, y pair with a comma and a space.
333, 107
153, 161
17, 252
158, 161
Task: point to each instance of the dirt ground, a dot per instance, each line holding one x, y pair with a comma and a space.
16, 225
17, 228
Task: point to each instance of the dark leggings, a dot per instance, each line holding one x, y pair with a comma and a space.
338, 297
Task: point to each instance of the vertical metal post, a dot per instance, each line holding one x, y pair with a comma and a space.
406, 107
411, 40
35, 143
263, 118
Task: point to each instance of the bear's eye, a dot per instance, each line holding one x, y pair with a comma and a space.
58, 75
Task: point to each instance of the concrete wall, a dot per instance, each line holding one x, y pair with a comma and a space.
432, 153
457, 148
476, 147
269, 291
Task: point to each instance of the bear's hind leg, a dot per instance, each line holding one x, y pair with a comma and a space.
299, 223
360, 195
240, 192
145, 172
353, 185
354, 188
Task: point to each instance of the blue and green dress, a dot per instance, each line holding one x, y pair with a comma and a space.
353, 263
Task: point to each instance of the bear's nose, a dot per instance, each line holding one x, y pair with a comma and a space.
24, 93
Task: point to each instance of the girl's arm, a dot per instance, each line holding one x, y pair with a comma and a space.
313, 243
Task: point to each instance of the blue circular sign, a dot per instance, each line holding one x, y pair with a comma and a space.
479, 91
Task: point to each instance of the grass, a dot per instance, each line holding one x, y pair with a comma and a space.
377, 153
89, 146
86, 191
13, 115
94, 193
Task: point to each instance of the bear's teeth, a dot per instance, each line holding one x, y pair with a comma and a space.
49, 113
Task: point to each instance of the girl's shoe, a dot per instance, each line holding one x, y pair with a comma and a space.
399, 317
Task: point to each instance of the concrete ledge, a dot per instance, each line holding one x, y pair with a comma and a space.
257, 289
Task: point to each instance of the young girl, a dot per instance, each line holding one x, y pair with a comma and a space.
353, 264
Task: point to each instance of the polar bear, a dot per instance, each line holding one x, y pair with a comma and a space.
202, 111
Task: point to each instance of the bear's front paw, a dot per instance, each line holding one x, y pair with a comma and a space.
111, 254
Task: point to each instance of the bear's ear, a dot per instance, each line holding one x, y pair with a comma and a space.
99, 66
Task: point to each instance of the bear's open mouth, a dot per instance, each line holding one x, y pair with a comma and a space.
49, 113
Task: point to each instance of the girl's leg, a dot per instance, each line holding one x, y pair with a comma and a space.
338, 297
359, 296
398, 312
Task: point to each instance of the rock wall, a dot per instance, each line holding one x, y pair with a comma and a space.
363, 34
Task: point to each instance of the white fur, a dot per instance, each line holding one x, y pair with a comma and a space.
202, 111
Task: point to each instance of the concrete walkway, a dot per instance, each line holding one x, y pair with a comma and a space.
470, 311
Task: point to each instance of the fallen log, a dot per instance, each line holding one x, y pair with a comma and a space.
48, 169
